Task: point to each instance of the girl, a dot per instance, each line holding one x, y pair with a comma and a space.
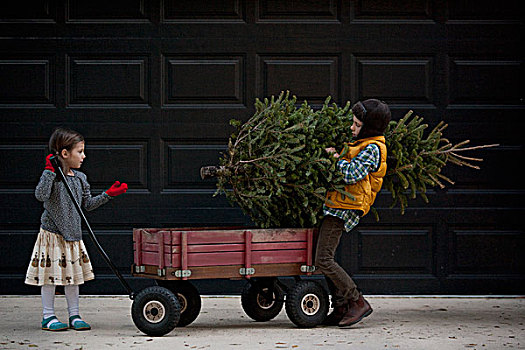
59, 256
363, 169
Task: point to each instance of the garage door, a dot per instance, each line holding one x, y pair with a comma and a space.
152, 85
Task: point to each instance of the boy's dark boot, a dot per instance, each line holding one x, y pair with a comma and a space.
357, 310
336, 316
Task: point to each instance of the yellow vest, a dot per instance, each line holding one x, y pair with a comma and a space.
365, 190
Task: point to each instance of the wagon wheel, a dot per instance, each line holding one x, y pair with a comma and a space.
155, 311
262, 300
307, 304
189, 300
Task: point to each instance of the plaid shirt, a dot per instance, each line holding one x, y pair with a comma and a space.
353, 171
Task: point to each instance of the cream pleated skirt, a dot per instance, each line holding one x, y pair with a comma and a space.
58, 262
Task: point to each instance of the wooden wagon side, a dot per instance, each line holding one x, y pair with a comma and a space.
198, 253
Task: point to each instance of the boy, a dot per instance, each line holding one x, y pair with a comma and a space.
363, 168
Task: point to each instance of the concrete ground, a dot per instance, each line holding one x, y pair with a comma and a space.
396, 323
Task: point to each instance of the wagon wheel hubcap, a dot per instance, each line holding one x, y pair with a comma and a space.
183, 302
154, 311
310, 304
263, 301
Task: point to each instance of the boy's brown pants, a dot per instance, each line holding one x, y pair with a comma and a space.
342, 287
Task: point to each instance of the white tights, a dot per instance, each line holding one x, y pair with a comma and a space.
48, 300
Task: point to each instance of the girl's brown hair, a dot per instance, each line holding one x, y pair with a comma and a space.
63, 138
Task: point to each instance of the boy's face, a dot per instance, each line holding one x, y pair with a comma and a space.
356, 127
74, 158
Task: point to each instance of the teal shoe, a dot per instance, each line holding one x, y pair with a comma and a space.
78, 324
53, 324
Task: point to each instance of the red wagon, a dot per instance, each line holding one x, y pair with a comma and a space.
175, 256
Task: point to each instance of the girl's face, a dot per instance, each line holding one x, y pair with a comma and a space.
73, 159
356, 127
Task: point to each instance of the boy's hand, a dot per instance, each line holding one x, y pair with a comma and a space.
49, 166
332, 151
117, 189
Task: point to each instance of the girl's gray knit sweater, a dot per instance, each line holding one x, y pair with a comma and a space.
60, 215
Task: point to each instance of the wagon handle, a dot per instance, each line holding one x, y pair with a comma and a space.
56, 165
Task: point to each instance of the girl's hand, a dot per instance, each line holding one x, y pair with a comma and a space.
49, 166
117, 189
332, 151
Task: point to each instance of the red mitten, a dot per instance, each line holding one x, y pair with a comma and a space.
117, 189
49, 166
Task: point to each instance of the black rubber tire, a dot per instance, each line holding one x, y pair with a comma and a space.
307, 304
155, 311
189, 300
262, 301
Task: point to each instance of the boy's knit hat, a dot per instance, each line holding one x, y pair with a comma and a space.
375, 116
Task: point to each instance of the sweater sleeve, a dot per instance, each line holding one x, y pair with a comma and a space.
361, 165
45, 185
88, 201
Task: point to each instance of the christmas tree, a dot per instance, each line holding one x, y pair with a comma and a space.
278, 172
